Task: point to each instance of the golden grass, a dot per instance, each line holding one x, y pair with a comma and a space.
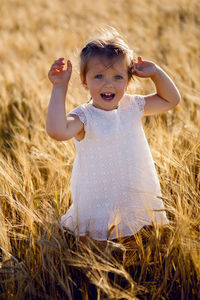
37, 261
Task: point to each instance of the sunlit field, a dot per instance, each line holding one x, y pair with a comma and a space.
37, 259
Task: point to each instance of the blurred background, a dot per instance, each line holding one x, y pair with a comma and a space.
34, 169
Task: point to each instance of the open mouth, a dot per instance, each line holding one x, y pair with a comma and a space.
107, 96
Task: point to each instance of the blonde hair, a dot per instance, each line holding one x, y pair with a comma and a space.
108, 45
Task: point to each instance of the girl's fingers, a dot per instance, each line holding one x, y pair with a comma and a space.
58, 64
58, 67
51, 72
59, 59
55, 70
69, 65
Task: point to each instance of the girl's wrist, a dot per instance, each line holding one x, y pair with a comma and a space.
156, 72
59, 91
62, 87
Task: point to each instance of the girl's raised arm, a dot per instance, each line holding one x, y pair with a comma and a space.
167, 95
57, 125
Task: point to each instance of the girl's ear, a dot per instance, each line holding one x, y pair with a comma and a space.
84, 83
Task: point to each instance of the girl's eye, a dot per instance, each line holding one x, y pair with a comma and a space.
99, 76
118, 77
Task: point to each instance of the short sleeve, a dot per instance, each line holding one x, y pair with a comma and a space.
140, 102
80, 112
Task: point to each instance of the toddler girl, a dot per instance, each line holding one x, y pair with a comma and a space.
114, 185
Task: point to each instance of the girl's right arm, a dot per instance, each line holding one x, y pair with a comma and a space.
58, 126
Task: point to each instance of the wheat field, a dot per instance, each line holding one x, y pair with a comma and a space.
39, 261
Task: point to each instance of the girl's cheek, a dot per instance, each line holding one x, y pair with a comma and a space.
122, 85
97, 84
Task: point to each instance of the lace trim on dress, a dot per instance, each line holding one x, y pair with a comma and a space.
140, 103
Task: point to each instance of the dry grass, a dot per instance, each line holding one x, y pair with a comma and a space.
37, 261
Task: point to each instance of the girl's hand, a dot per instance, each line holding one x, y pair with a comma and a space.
144, 69
57, 75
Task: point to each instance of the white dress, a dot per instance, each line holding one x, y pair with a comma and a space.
114, 184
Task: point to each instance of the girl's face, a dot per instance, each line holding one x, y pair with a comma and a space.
106, 82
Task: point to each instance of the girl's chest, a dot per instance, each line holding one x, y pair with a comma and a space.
113, 125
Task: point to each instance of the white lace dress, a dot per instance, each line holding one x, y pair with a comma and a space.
114, 184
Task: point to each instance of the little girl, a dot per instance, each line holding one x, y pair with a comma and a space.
114, 185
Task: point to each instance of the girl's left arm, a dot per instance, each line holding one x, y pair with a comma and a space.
167, 95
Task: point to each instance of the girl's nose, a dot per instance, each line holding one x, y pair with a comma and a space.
108, 83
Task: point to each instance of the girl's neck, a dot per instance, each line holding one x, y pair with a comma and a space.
90, 101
